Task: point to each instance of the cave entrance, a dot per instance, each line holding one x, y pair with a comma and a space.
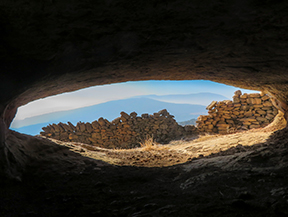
214, 105
185, 100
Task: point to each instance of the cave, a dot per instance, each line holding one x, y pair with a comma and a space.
51, 47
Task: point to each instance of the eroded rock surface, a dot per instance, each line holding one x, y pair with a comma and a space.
61, 46
50, 47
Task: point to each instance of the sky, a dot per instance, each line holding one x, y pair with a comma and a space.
104, 93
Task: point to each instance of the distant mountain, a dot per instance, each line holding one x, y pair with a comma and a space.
189, 122
195, 98
109, 110
34, 129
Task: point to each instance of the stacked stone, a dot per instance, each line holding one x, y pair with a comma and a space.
247, 111
123, 132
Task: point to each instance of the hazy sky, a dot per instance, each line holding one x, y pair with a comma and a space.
99, 94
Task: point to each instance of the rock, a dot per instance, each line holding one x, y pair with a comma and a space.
71, 126
267, 103
102, 122
145, 115
81, 126
256, 101
249, 111
252, 126
125, 115
89, 127
251, 119
236, 99
237, 105
238, 93
211, 105
244, 96
163, 112
116, 121
265, 97
254, 95
133, 114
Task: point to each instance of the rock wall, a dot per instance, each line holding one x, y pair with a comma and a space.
123, 132
245, 112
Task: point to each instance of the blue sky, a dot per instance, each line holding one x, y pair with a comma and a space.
104, 93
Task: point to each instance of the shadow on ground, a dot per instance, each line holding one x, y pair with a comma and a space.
250, 181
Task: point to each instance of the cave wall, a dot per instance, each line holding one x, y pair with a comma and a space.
50, 47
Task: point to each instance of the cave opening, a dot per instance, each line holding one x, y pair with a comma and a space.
52, 47
176, 92
215, 168
154, 148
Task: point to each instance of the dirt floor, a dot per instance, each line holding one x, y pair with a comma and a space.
241, 174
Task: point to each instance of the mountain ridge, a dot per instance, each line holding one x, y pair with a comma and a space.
111, 110
203, 98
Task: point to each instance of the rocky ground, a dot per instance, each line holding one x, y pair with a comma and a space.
241, 174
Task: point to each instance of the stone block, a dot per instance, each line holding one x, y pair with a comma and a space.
211, 105
265, 97
65, 127
125, 115
210, 126
236, 113
133, 114
163, 112
261, 119
254, 126
230, 122
250, 119
267, 103
238, 93
244, 96
256, 101
222, 125
269, 116
254, 95
81, 126
145, 116
237, 105
236, 100
266, 108
249, 100
89, 127
95, 125
261, 112
72, 136
102, 122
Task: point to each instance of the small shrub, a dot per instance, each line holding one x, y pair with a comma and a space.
150, 144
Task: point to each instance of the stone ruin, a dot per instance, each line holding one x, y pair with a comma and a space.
247, 111
126, 131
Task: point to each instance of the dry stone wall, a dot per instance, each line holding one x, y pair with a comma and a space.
245, 112
123, 132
